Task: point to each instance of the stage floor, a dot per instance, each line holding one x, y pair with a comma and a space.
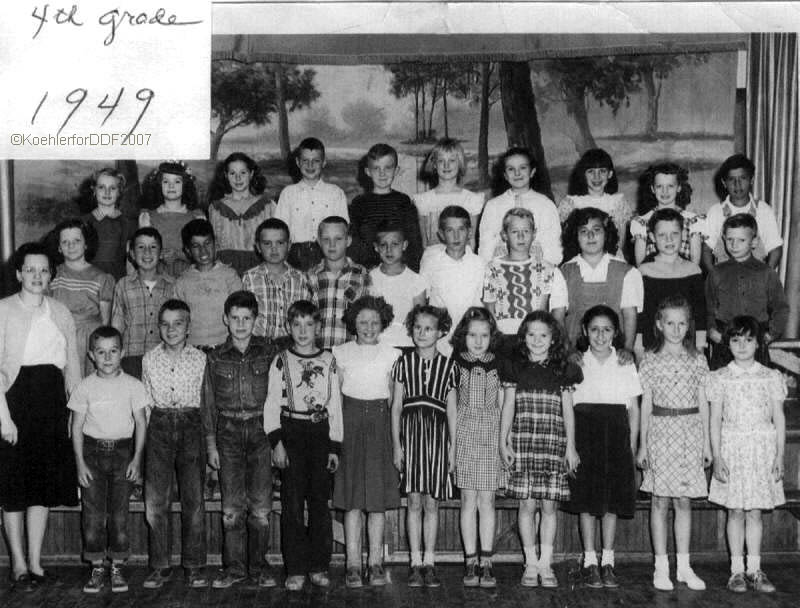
635, 578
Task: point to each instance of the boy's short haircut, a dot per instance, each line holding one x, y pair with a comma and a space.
242, 299
743, 325
147, 231
333, 219
196, 227
520, 212
454, 211
174, 304
740, 220
389, 226
302, 308
272, 223
376, 303
311, 143
667, 214
737, 161
105, 332
380, 150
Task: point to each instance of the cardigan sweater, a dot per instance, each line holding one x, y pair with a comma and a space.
15, 323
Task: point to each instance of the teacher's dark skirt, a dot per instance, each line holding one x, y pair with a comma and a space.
40, 469
604, 482
366, 478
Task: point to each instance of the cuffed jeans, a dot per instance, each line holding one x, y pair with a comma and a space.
306, 480
245, 477
106, 499
175, 443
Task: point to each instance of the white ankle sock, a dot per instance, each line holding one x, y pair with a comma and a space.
530, 555
737, 564
662, 563
753, 564
608, 557
682, 561
545, 555
416, 558
589, 558
428, 558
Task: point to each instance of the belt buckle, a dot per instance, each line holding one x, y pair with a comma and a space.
107, 444
317, 416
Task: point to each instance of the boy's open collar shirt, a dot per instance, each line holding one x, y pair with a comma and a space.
135, 311
174, 383
274, 295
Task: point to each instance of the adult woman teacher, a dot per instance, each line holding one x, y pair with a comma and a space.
38, 360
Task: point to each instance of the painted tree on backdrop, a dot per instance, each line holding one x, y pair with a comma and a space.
250, 93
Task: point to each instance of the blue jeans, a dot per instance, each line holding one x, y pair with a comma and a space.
175, 443
105, 501
245, 477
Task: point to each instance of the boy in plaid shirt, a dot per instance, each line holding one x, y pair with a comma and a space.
138, 298
336, 282
275, 284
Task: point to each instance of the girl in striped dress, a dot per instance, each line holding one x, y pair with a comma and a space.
423, 423
478, 466
537, 435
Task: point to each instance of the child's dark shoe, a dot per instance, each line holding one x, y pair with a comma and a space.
430, 578
157, 578
608, 577
471, 576
119, 584
377, 576
488, 581
758, 581
415, 578
591, 577
737, 583
96, 580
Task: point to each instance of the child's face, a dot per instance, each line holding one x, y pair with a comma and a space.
743, 348
601, 333
203, 251
390, 247
667, 236
597, 180
478, 338
739, 242
518, 172
107, 355
381, 171
71, 244
738, 182
173, 327
334, 241
673, 325
239, 176
592, 237
447, 165
665, 188
425, 331
303, 331
106, 191
311, 163
240, 322
273, 245
146, 252
538, 339
519, 235
455, 234
34, 277
172, 187
368, 326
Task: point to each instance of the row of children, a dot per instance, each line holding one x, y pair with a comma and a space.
567, 433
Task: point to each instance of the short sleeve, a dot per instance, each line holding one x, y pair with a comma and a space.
565, 207
559, 295
631, 387
646, 372
703, 372
398, 374
638, 227
106, 293
695, 223
79, 400
473, 202
453, 377
714, 389
776, 386
573, 375
138, 396
632, 290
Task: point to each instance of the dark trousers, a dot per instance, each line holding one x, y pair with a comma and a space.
245, 477
105, 500
306, 481
175, 443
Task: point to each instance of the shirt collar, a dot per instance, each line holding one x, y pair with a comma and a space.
348, 265
728, 208
750, 262
590, 360
305, 186
255, 342
738, 370
584, 266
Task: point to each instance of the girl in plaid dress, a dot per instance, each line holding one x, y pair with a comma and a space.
478, 465
537, 438
423, 424
675, 445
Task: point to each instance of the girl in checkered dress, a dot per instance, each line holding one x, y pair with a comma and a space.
478, 466
537, 439
423, 425
674, 435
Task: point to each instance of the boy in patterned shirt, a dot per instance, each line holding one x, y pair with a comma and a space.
172, 374
303, 421
336, 282
275, 284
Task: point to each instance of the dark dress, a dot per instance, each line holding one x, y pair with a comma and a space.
113, 234
691, 287
40, 468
